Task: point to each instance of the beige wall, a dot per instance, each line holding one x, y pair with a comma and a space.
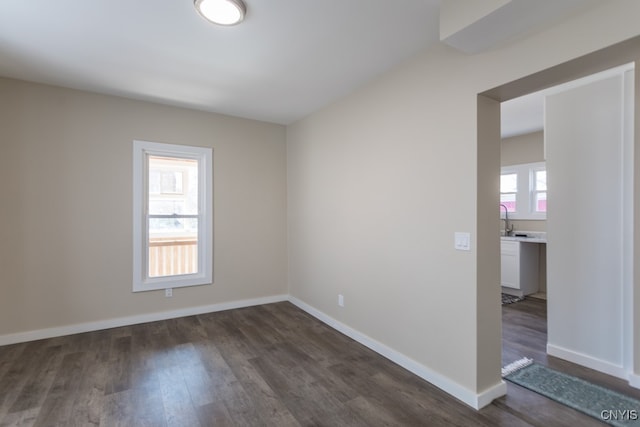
527, 148
379, 182
66, 169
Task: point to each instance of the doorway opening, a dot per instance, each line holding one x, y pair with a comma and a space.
599, 61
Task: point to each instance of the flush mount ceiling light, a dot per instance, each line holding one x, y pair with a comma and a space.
221, 12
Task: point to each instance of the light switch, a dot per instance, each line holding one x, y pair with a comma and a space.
462, 241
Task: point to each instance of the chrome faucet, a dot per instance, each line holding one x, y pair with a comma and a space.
507, 229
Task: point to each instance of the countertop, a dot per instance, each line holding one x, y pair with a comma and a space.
531, 237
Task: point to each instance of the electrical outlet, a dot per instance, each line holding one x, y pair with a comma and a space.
168, 292
340, 300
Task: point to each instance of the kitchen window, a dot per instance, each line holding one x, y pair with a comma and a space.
523, 190
172, 218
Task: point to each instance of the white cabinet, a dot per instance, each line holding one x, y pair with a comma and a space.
509, 260
519, 267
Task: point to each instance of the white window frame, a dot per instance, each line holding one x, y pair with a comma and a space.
534, 191
141, 280
525, 206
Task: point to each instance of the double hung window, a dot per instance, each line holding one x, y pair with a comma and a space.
523, 190
173, 227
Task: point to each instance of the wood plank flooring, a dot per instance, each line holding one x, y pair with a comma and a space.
270, 365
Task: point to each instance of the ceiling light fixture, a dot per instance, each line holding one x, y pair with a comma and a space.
221, 12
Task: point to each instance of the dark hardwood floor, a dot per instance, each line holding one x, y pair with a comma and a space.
271, 365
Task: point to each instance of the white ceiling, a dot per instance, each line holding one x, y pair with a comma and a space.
286, 60
522, 115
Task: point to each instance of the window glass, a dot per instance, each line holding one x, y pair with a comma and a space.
509, 183
173, 223
508, 190
541, 180
541, 201
509, 200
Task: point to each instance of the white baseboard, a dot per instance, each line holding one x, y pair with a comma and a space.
587, 361
634, 380
486, 397
133, 320
476, 401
